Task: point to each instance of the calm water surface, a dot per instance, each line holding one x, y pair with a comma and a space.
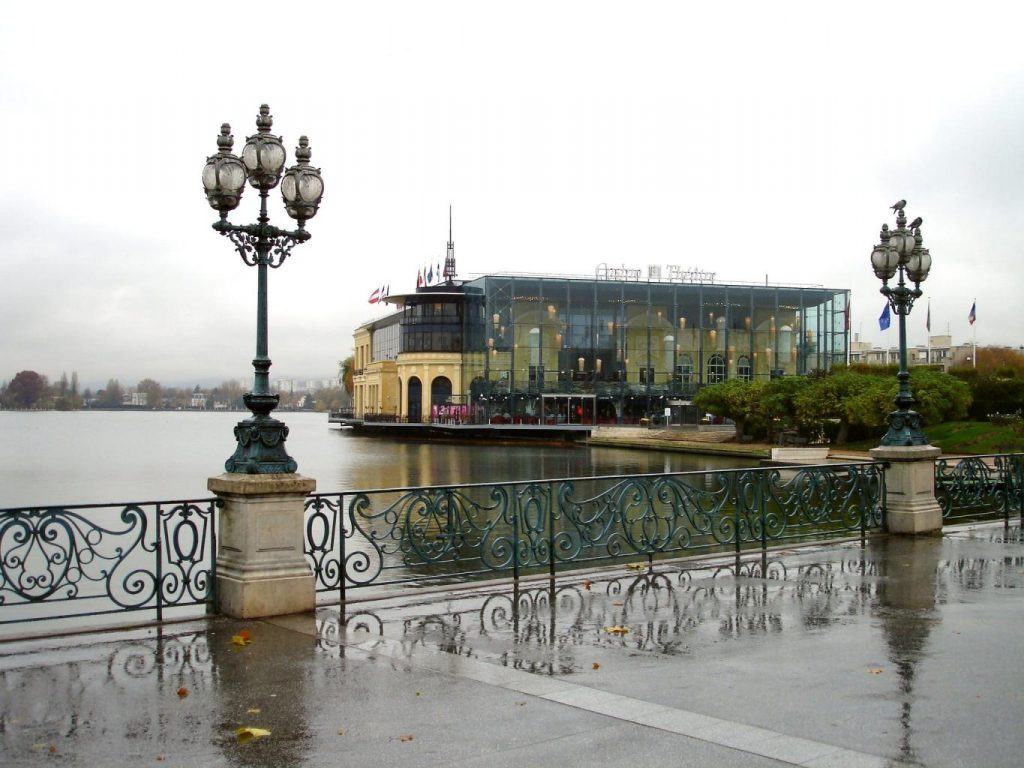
86, 457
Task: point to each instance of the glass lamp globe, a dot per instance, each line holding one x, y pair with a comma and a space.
884, 260
919, 265
263, 154
302, 188
224, 175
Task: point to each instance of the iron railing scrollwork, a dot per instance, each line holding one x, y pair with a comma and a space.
392, 536
66, 562
979, 487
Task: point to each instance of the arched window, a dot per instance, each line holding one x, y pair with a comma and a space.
716, 369
743, 370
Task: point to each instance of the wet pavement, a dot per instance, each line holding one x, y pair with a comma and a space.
895, 652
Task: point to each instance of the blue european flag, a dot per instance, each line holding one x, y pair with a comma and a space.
885, 318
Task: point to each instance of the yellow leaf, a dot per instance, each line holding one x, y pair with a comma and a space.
635, 566
587, 585
253, 711
341, 731
617, 602
874, 670
248, 733
616, 630
595, 665
240, 640
246, 634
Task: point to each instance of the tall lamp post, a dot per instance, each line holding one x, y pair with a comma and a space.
260, 440
901, 252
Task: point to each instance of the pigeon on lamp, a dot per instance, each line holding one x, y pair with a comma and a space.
900, 205
916, 223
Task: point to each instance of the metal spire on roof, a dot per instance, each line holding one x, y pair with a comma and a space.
449, 261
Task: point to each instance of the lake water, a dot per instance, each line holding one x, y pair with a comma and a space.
79, 457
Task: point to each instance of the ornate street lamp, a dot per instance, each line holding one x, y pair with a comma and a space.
901, 251
260, 448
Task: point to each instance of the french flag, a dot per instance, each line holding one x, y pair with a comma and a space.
419, 278
375, 296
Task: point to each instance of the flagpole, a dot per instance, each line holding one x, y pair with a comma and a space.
928, 331
974, 334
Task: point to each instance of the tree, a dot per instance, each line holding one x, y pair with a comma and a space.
734, 399
26, 390
113, 395
778, 403
153, 391
842, 397
940, 397
346, 369
996, 360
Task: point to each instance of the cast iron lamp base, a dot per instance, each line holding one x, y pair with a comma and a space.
904, 429
260, 449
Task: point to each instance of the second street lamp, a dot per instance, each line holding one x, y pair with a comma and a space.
901, 252
260, 440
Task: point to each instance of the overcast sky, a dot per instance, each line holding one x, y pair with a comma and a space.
740, 138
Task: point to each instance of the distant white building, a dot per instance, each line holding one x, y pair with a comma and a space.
198, 401
135, 399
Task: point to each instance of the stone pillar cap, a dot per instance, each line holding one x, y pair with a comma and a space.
260, 485
905, 452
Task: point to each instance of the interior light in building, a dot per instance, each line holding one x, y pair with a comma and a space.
580, 363
682, 323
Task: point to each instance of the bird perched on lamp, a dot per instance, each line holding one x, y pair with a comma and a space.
900, 205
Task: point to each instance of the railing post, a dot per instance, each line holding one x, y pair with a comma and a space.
762, 480
1006, 475
344, 561
211, 604
736, 515
551, 530
861, 479
159, 568
515, 535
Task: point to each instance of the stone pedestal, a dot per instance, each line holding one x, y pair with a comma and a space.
261, 568
911, 507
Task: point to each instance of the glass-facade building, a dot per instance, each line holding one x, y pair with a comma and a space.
589, 350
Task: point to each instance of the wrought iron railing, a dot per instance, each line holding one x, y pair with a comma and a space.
440, 533
76, 561
980, 487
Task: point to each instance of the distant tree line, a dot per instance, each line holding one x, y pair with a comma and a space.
30, 390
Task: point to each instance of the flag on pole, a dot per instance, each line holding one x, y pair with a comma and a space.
928, 318
375, 296
419, 278
430, 275
884, 319
973, 316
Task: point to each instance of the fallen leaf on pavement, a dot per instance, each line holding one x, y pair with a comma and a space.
635, 566
520, 703
240, 640
406, 737
595, 665
874, 670
617, 602
587, 585
182, 692
247, 634
248, 733
616, 630
252, 711
341, 731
